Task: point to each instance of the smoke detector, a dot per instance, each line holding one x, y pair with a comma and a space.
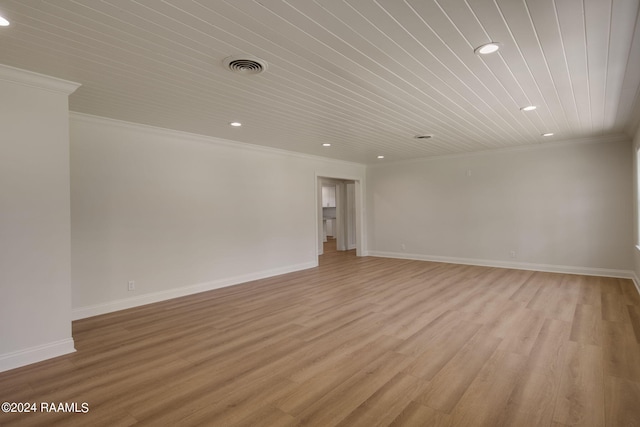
244, 64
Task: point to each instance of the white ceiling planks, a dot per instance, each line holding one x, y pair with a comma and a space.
366, 76
571, 21
628, 114
494, 81
598, 30
624, 15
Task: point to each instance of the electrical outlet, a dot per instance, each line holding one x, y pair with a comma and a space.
513, 254
403, 246
132, 285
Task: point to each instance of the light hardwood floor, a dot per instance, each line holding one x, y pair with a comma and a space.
356, 342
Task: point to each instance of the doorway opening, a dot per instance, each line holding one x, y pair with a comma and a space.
339, 216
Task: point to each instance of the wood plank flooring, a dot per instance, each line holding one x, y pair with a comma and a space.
356, 342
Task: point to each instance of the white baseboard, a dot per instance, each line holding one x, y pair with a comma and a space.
35, 354
122, 304
636, 281
587, 271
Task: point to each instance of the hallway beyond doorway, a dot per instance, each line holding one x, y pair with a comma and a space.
332, 254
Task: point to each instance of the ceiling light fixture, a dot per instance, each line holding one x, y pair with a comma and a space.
528, 108
326, 144
381, 157
3, 21
487, 48
236, 124
548, 134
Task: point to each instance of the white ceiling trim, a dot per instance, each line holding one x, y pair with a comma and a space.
197, 138
40, 81
608, 139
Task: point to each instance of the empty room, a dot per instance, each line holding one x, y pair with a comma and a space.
320, 213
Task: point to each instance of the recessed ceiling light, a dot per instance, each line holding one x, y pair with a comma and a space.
3, 22
487, 48
381, 157
326, 144
528, 108
548, 134
236, 124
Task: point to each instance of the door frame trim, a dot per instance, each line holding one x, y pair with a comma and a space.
359, 207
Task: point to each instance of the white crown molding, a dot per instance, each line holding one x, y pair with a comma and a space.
604, 139
35, 354
154, 130
586, 271
40, 81
122, 304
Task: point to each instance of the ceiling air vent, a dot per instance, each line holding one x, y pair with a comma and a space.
245, 64
423, 136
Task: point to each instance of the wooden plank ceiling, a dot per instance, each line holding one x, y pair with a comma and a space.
365, 76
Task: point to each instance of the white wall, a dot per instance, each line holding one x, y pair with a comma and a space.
559, 208
180, 213
35, 285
